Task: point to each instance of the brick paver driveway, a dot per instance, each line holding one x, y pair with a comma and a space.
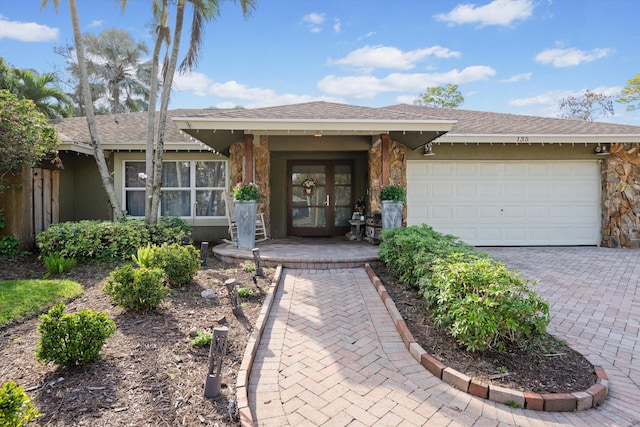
331, 356
594, 295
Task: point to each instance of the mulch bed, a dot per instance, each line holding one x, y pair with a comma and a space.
149, 374
549, 366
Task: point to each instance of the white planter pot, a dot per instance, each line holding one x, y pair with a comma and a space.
246, 223
391, 214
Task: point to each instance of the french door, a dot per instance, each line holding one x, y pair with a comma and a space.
319, 197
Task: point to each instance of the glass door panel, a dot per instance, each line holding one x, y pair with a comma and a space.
320, 198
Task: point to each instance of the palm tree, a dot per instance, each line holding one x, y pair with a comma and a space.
203, 11
98, 152
116, 59
52, 101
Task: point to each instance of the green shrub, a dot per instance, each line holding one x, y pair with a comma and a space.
180, 263
58, 265
484, 305
16, 409
72, 339
410, 252
144, 256
138, 290
247, 292
168, 230
106, 240
202, 339
9, 246
248, 266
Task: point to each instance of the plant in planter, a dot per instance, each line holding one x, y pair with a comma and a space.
246, 196
392, 198
395, 193
246, 192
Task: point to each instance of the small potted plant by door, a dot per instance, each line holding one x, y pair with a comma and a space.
246, 197
392, 198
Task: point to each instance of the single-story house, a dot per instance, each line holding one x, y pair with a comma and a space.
489, 178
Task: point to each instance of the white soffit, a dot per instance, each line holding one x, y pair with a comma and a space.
536, 138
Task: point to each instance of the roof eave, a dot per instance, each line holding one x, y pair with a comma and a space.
525, 138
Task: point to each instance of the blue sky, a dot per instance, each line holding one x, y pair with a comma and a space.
510, 56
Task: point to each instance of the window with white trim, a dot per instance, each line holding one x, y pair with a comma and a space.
191, 188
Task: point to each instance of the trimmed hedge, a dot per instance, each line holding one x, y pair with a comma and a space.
410, 252
475, 298
106, 240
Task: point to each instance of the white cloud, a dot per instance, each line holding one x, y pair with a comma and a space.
313, 21
337, 25
96, 23
236, 93
570, 57
552, 98
498, 12
370, 57
27, 31
367, 86
366, 36
517, 78
406, 99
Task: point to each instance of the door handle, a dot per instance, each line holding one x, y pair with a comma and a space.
327, 201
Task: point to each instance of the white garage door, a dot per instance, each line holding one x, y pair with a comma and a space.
513, 203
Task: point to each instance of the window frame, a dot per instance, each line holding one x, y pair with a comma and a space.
192, 188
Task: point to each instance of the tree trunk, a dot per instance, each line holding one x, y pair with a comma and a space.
164, 105
98, 152
151, 120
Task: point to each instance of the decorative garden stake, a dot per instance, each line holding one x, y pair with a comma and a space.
236, 308
256, 259
204, 249
217, 352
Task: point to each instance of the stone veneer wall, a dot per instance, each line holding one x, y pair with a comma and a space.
262, 171
397, 172
621, 197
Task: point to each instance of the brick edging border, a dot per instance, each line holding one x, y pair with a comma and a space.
549, 402
242, 381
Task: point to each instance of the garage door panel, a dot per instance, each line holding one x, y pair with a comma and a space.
490, 212
439, 212
507, 203
466, 190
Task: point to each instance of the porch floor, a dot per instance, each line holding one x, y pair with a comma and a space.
303, 252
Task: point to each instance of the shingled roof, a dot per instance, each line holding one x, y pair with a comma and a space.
127, 131
470, 122
122, 131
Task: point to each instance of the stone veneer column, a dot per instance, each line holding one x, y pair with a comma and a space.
397, 162
260, 154
263, 172
621, 197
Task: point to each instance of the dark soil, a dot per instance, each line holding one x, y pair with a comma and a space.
548, 366
150, 375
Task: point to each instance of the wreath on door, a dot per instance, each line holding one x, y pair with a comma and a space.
308, 184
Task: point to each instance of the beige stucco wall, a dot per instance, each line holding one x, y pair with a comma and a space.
484, 151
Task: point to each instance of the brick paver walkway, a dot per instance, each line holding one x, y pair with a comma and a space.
331, 356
